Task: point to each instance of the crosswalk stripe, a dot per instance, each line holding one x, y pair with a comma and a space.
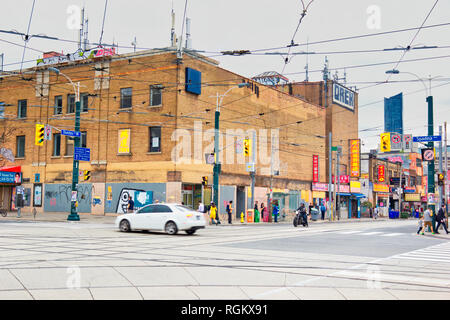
391, 234
371, 233
437, 253
349, 232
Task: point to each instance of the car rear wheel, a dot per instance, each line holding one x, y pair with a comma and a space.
189, 232
124, 226
171, 228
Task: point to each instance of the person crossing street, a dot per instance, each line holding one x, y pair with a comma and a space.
440, 218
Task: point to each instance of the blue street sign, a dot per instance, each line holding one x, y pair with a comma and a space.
82, 154
71, 133
427, 138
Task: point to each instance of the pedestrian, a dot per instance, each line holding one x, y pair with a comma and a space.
229, 211
256, 211
201, 207
420, 224
130, 207
440, 218
213, 213
371, 212
375, 212
427, 221
323, 210
275, 211
263, 211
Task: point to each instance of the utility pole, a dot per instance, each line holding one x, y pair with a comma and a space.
253, 171
271, 180
330, 165
216, 154
338, 207
334, 192
446, 164
441, 169
400, 190
431, 186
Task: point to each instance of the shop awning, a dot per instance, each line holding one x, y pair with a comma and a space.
11, 169
358, 195
345, 194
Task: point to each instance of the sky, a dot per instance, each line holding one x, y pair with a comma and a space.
263, 24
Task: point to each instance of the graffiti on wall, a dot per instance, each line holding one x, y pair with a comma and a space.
61, 195
140, 198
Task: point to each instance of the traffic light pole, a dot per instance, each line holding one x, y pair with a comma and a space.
216, 155
440, 170
431, 185
75, 170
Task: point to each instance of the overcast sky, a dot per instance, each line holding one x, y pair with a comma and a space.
262, 24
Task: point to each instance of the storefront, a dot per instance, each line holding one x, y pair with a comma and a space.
412, 201
382, 195
355, 199
319, 193
10, 178
192, 195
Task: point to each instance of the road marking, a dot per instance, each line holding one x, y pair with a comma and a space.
437, 253
349, 232
391, 234
371, 233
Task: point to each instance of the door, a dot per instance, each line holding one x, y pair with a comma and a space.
143, 219
160, 215
240, 202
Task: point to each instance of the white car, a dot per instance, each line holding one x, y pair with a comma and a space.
168, 217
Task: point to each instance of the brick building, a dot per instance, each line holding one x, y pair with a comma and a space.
148, 120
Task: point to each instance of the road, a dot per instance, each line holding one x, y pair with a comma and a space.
363, 260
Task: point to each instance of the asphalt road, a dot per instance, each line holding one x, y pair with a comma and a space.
361, 260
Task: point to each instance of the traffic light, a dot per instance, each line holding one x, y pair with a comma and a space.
205, 181
441, 179
87, 175
247, 147
39, 138
385, 142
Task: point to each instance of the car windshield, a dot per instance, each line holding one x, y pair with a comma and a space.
184, 208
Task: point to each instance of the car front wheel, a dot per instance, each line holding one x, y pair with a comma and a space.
190, 232
124, 226
171, 228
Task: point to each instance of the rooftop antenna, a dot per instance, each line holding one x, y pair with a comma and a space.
173, 36
80, 38
180, 46
188, 34
307, 62
134, 43
326, 73
103, 24
86, 37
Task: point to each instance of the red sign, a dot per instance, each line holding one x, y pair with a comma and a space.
355, 165
315, 168
381, 173
342, 179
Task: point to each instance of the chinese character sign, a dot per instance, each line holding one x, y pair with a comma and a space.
381, 173
315, 168
355, 163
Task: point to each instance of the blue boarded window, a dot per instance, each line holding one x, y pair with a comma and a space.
193, 81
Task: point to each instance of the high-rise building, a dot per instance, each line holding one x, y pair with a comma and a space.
393, 114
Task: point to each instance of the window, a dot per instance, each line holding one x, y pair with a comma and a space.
58, 105
161, 208
155, 95
70, 103
57, 144
125, 97
155, 139
84, 102
20, 142
148, 209
22, 109
69, 146
83, 139
2, 110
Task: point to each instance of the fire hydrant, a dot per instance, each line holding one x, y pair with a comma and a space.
242, 217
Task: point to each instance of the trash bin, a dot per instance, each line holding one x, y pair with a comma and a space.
314, 214
394, 214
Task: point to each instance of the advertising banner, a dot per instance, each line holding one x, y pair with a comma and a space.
381, 173
124, 141
315, 168
380, 187
355, 159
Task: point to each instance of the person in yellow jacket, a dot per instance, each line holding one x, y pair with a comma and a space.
213, 214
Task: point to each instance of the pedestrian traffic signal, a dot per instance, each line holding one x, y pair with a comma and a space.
385, 142
39, 138
87, 175
441, 179
247, 147
205, 181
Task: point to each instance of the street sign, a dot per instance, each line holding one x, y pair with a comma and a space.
427, 154
71, 133
334, 148
427, 138
407, 142
209, 158
396, 141
82, 154
250, 167
47, 132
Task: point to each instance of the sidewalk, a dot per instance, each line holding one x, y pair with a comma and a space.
59, 217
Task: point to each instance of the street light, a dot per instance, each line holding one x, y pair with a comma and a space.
429, 100
73, 216
217, 166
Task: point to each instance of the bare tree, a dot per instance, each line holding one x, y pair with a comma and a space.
6, 133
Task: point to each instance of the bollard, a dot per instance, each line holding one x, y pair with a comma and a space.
242, 217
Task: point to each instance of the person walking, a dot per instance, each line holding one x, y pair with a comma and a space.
229, 211
323, 210
375, 213
263, 211
130, 207
256, 212
420, 224
275, 211
213, 214
427, 221
440, 218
